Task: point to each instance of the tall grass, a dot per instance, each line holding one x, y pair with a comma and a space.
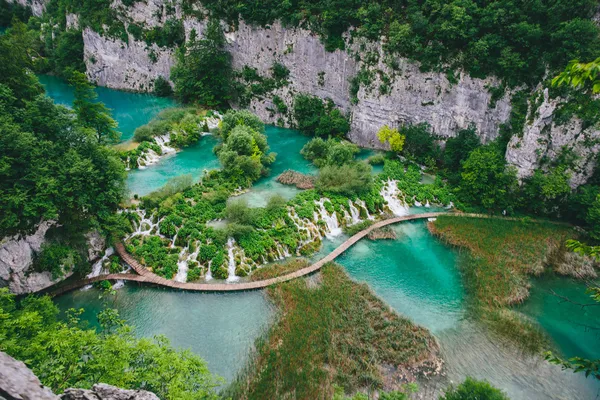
502, 256
332, 333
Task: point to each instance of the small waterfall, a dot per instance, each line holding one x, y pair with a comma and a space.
305, 225
182, 266
208, 275
149, 157
98, 267
144, 222
333, 227
390, 193
418, 204
355, 214
427, 205
363, 205
162, 142
231, 264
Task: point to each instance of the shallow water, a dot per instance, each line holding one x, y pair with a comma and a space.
417, 276
221, 328
130, 110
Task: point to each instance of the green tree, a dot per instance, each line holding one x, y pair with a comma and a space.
457, 150
347, 179
593, 218
315, 117
203, 68
391, 136
91, 113
486, 181
547, 192
63, 354
580, 75
472, 389
419, 142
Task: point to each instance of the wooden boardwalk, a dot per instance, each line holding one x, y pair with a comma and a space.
146, 276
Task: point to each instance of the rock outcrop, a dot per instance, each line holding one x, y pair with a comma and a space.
543, 139
37, 6
17, 382
16, 259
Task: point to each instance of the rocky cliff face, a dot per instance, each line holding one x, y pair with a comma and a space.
544, 140
17, 255
17, 382
37, 6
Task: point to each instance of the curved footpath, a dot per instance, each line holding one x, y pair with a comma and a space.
146, 276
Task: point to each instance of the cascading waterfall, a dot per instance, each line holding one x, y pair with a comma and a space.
390, 193
149, 157
231, 264
98, 267
144, 222
305, 225
208, 275
363, 205
162, 142
354, 213
333, 227
182, 266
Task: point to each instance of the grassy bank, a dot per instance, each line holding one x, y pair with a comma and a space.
333, 331
502, 256
279, 269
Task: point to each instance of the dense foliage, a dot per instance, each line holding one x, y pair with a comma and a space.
515, 40
52, 166
317, 117
202, 72
472, 389
66, 353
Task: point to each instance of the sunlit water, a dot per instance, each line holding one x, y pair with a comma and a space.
130, 110
221, 328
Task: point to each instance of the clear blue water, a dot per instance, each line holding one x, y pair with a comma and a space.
219, 327
130, 110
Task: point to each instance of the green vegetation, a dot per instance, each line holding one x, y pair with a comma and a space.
503, 254
66, 353
457, 151
391, 136
329, 152
250, 84
162, 87
202, 72
472, 389
52, 164
317, 117
331, 332
275, 270
348, 179
516, 41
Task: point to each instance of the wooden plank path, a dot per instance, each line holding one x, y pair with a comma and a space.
147, 276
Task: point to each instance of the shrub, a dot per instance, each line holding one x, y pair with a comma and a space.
348, 179
315, 117
162, 87
472, 389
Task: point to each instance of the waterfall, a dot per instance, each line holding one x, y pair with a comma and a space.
333, 227
427, 205
231, 264
363, 205
162, 141
208, 275
355, 214
304, 225
390, 193
98, 266
147, 158
182, 266
418, 204
144, 222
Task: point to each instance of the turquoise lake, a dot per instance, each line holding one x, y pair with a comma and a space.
415, 274
130, 110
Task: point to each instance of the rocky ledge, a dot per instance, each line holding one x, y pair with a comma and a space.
17, 382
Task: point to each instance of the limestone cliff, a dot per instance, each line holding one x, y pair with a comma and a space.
17, 382
17, 255
543, 139
37, 6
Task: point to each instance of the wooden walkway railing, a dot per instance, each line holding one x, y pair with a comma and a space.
146, 276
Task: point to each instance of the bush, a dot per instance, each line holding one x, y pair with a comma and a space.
472, 389
329, 152
419, 143
348, 179
316, 117
162, 87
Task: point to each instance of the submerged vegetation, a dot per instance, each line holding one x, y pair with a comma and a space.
502, 256
332, 331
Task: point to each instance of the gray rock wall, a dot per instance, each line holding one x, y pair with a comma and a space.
37, 6
543, 139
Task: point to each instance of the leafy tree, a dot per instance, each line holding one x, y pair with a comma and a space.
315, 117
547, 193
486, 181
457, 150
203, 68
580, 75
64, 354
472, 389
419, 142
233, 118
593, 218
68, 53
162, 87
391, 136
91, 113
329, 152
